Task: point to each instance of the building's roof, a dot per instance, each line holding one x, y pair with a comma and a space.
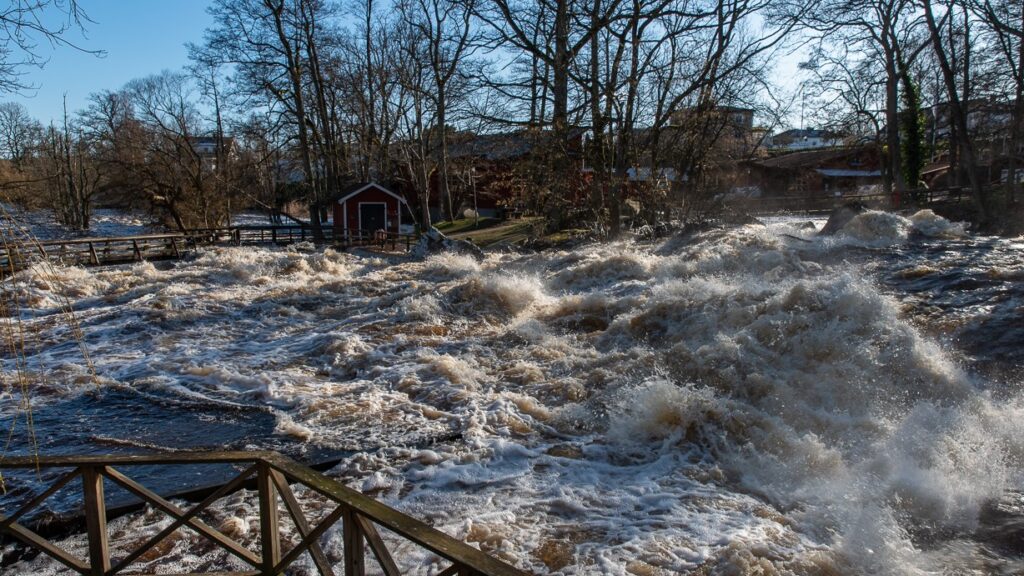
797, 133
807, 158
491, 146
210, 140
359, 187
722, 108
839, 173
501, 145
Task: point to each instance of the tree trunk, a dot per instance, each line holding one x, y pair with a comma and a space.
442, 166
597, 121
295, 76
330, 153
1017, 119
958, 118
892, 121
624, 157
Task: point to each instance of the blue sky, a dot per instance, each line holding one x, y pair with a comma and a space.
143, 37
140, 37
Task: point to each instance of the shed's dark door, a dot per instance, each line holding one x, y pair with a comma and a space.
372, 217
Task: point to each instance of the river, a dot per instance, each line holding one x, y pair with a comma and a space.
756, 400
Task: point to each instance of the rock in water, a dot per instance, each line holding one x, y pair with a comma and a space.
434, 241
840, 216
741, 219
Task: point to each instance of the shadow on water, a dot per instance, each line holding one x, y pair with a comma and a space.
115, 421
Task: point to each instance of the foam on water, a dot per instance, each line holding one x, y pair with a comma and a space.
735, 402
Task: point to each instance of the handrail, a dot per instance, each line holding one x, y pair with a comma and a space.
123, 249
101, 239
359, 237
359, 513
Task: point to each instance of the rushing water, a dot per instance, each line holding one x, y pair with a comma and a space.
747, 401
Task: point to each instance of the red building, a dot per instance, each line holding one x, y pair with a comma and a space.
369, 207
492, 172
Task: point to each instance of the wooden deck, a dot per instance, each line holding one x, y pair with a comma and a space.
102, 251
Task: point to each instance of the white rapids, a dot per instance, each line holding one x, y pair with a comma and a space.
736, 402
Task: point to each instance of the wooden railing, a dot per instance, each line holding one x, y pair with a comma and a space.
119, 250
376, 238
360, 516
92, 251
291, 234
254, 235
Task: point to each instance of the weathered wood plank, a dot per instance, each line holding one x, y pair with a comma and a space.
270, 533
177, 513
434, 540
211, 457
43, 545
60, 483
313, 535
123, 249
465, 558
355, 563
179, 522
380, 550
95, 521
301, 524
252, 573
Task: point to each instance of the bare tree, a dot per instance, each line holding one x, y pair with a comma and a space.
958, 110
266, 43
446, 31
24, 24
18, 132
1005, 22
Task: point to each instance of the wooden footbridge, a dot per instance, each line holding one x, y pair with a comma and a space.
101, 251
367, 525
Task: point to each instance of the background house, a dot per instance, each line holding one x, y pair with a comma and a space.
805, 139
837, 171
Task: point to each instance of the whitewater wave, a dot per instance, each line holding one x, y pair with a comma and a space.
738, 402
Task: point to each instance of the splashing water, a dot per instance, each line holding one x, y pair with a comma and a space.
738, 402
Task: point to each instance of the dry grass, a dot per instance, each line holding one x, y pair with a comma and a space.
506, 233
17, 335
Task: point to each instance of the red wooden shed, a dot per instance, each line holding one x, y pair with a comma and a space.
368, 207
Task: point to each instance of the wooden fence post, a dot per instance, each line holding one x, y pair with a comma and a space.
355, 564
95, 521
270, 540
